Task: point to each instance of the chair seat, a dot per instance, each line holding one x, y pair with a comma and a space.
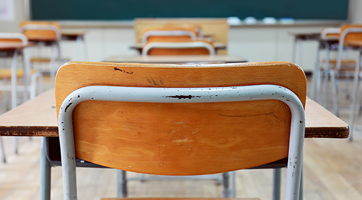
181, 198
47, 60
6, 73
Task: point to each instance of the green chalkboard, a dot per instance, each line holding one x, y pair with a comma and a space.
130, 9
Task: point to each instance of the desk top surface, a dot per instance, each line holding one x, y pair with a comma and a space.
312, 36
175, 59
37, 117
72, 35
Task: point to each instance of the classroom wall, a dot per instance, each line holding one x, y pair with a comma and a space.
255, 43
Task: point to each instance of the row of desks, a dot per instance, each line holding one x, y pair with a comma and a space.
38, 118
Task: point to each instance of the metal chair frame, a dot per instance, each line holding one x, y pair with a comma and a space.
178, 45
213, 94
147, 34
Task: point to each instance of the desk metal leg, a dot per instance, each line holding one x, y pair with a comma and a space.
14, 91
300, 62
225, 183
326, 76
52, 65
277, 177
334, 92
26, 67
354, 96
45, 172
294, 50
3, 158
81, 44
233, 181
315, 75
121, 184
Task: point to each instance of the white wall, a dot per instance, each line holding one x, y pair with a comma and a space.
255, 43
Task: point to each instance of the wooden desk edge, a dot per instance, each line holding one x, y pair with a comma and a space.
343, 132
24, 131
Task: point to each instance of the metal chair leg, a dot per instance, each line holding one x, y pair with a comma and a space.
226, 189
277, 177
354, 97
121, 184
45, 172
233, 186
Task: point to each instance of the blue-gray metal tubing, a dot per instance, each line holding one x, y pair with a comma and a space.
182, 95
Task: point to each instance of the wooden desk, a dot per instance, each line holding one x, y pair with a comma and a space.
324, 43
73, 35
175, 59
217, 45
37, 117
13, 49
77, 36
301, 37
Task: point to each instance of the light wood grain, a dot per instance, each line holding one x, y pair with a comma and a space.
36, 117
218, 28
322, 123
175, 59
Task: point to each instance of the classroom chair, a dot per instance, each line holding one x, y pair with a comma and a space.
328, 41
44, 33
349, 34
213, 118
344, 68
169, 32
178, 47
29, 77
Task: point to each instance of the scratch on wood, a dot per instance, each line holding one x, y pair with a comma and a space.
121, 70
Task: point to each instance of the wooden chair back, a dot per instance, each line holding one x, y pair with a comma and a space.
180, 138
16, 38
330, 33
197, 28
351, 36
41, 30
178, 47
169, 33
217, 28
